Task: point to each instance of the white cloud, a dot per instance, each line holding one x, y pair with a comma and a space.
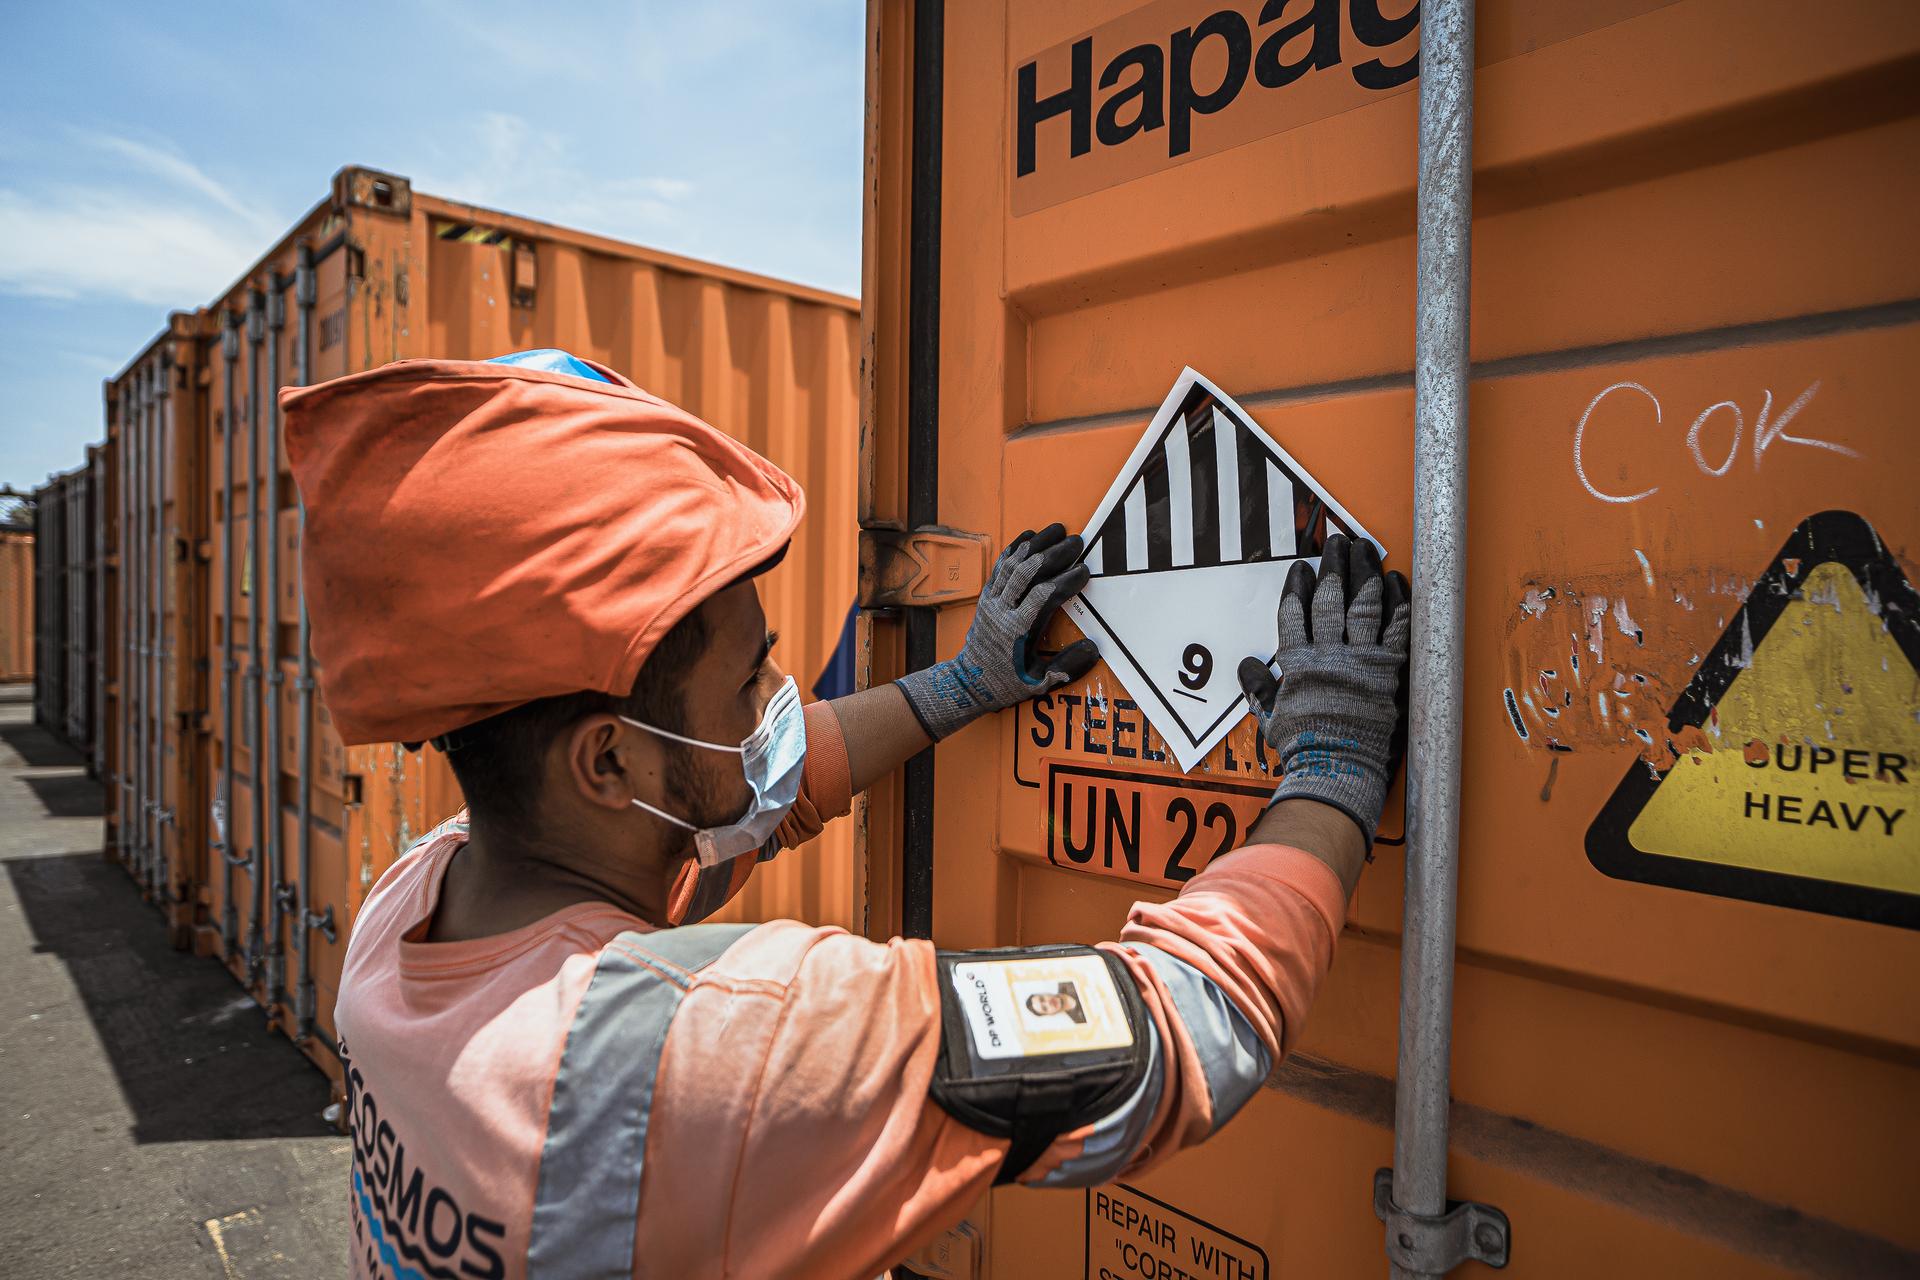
140, 222
510, 165
171, 168
73, 242
102, 365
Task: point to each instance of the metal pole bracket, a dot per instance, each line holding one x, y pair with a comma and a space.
1433, 1246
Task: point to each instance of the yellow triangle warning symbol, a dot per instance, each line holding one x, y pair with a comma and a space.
1798, 783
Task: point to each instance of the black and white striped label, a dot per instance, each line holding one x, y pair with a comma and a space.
1189, 551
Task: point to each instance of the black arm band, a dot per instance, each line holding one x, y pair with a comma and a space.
1036, 1042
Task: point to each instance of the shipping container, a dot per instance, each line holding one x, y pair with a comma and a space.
19, 588
157, 814
63, 567
289, 828
1684, 1037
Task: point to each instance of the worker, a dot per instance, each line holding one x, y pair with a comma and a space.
553, 1068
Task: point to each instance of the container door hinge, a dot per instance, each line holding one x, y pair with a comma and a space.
1425, 1245
926, 568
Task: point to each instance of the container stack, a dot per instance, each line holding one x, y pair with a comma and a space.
174, 637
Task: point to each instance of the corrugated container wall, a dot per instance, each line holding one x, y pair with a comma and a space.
242, 809
1685, 1040
18, 589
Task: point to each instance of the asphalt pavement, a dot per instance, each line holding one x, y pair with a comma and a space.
150, 1124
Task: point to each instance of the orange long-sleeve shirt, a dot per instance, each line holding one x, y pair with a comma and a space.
788, 1130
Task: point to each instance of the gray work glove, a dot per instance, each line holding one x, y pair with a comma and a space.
1335, 716
1000, 664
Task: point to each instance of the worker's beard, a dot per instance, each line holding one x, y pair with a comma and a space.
694, 793
695, 892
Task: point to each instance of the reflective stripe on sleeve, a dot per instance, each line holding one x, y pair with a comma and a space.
1116, 1136
1234, 1060
586, 1208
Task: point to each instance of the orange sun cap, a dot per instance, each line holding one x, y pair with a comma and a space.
480, 535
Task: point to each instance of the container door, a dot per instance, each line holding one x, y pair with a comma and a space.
1684, 1041
180, 580
229, 623
342, 327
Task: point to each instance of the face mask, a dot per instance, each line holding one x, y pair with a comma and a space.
773, 758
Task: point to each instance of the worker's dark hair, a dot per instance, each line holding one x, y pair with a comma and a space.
491, 757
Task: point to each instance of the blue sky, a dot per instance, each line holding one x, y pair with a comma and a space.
149, 153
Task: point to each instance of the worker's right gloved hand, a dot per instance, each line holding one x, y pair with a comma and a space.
1333, 716
1001, 664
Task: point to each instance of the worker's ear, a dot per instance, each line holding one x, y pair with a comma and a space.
608, 763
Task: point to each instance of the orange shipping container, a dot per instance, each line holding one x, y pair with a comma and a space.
17, 582
157, 814
1684, 1040
295, 828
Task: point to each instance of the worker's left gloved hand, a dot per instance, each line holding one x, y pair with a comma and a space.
1000, 664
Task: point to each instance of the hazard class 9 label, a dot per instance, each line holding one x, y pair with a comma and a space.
1133, 1236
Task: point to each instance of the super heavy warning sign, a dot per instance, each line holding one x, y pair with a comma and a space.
1795, 777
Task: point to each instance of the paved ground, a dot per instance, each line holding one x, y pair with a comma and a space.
150, 1125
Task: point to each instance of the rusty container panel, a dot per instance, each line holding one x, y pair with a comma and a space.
379, 272
158, 810
18, 589
1683, 1038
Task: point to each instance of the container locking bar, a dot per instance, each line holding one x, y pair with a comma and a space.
927, 568
1434, 1245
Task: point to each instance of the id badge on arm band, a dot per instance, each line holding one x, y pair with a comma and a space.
1038, 1006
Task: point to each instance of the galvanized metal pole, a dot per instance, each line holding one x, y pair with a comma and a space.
230, 353
1445, 229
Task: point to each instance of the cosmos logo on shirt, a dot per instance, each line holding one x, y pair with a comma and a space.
406, 1224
